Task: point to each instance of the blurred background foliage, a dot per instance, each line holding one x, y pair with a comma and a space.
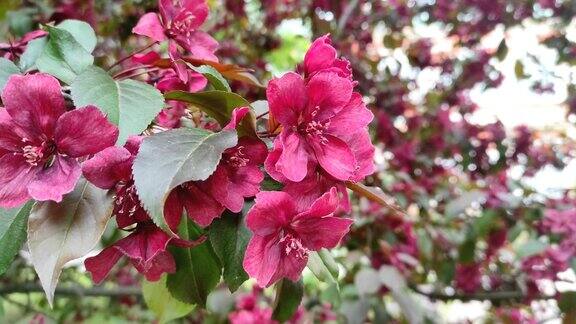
474, 102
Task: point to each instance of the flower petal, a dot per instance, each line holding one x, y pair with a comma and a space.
108, 167
55, 181
320, 55
15, 175
293, 161
84, 131
335, 156
10, 134
34, 102
101, 265
326, 205
173, 208
287, 98
272, 161
237, 116
363, 150
149, 25
201, 45
201, 206
272, 210
262, 259
322, 232
328, 93
354, 116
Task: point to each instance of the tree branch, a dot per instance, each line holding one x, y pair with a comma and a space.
345, 16
77, 291
489, 296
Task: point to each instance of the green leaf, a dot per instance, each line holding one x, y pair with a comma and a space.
61, 232
323, 266
218, 105
130, 104
567, 302
162, 303
214, 77
7, 68
530, 248
34, 49
197, 269
519, 70
288, 297
483, 224
12, 233
229, 237
169, 159
502, 50
63, 57
466, 251
82, 33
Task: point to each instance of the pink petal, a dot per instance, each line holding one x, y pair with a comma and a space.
201, 45
149, 25
354, 116
15, 175
55, 181
262, 259
363, 150
144, 244
272, 210
101, 265
290, 267
272, 161
254, 149
287, 98
34, 102
196, 81
84, 131
173, 208
335, 156
237, 116
200, 203
321, 232
198, 8
108, 167
326, 205
10, 134
153, 270
293, 161
320, 55
146, 58
328, 93
133, 144
243, 182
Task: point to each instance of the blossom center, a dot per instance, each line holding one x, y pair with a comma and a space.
35, 155
127, 202
182, 26
293, 246
238, 159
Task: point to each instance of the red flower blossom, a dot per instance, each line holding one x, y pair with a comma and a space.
40, 141
284, 235
179, 21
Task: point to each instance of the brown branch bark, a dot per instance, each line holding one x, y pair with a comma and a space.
76, 291
512, 295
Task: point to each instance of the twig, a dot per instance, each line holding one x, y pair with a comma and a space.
372, 195
490, 296
131, 54
76, 291
345, 16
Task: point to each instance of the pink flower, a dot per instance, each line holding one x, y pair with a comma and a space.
255, 316
146, 245
179, 21
322, 56
40, 141
14, 49
237, 176
468, 277
284, 235
324, 123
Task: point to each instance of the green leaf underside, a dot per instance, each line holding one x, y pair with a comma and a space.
13, 225
218, 105
61, 232
7, 68
63, 57
197, 269
169, 159
229, 237
130, 104
33, 51
162, 303
288, 297
323, 266
214, 77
